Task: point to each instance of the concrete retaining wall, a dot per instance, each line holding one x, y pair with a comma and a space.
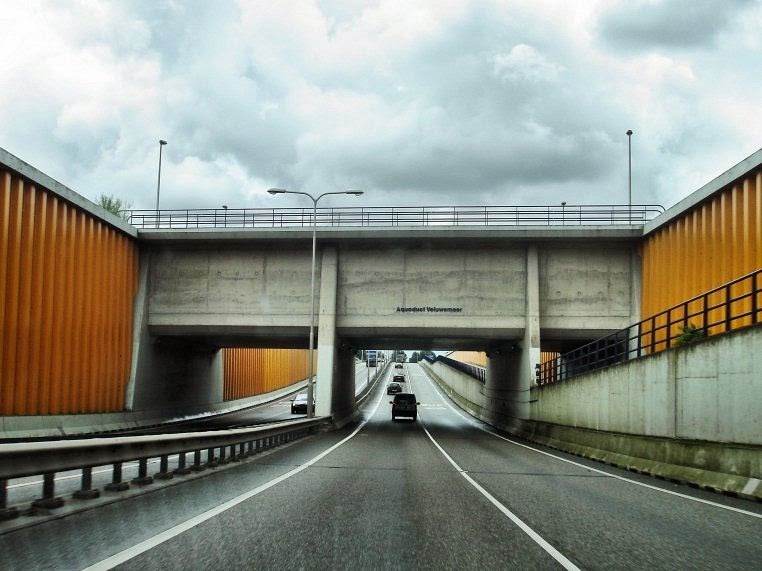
689, 415
710, 390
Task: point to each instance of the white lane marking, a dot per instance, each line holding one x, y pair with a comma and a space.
474, 423
142, 547
552, 551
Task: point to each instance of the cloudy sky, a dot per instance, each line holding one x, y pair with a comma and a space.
433, 102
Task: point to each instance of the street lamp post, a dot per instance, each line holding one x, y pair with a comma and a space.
310, 389
629, 172
158, 181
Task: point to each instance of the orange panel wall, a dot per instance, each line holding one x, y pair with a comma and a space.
250, 372
67, 283
715, 242
471, 357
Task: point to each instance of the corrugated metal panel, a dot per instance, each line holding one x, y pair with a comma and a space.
250, 372
713, 243
471, 357
67, 283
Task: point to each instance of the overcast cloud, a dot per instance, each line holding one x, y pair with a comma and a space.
429, 103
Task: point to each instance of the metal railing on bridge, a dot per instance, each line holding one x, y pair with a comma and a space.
381, 216
736, 304
475, 371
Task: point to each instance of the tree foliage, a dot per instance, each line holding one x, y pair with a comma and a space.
114, 205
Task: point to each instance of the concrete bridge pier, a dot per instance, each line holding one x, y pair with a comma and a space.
334, 392
169, 374
511, 365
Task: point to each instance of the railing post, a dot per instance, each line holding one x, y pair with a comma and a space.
48, 499
143, 477
754, 297
6, 513
86, 491
181, 469
164, 473
117, 485
728, 306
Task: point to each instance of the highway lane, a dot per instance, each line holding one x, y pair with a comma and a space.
438, 493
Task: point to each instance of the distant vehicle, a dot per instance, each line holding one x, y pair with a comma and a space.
393, 388
399, 378
371, 357
299, 404
399, 366
404, 404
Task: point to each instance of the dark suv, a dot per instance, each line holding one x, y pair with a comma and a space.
398, 378
404, 404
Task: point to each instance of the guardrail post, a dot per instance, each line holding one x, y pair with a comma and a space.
6, 513
211, 461
86, 491
181, 469
117, 485
143, 477
164, 473
197, 465
48, 499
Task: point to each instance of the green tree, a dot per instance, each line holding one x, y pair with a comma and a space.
114, 205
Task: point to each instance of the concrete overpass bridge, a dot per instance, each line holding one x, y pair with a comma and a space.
508, 289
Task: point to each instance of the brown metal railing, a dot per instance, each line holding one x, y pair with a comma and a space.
736, 304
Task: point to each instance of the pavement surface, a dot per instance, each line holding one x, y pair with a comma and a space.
443, 492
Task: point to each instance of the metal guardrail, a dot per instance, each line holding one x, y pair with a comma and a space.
478, 373
19, 460
381, 216
736, 304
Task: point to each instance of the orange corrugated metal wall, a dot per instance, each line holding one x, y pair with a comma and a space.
715, 242
471, 357
67, 283
250, 372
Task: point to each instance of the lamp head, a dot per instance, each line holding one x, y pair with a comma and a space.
629, 132
162, 142
355, 192
277, 191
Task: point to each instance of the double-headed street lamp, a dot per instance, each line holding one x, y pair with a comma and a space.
310, 390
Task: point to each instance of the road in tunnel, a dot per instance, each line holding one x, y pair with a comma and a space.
441, 492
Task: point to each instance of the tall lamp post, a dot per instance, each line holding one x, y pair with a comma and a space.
629, 172
310, 389
158, 181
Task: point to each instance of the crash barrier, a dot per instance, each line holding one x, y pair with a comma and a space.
19, 460
735, 304
478, 373
381, 216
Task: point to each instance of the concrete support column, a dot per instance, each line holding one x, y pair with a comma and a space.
326, 340
344, 406
511, 365
530, 354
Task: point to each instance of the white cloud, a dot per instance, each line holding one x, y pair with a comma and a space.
432, 102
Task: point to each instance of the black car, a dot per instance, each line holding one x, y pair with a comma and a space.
398, 378
299, 404
404, 404
393, 388
398, 366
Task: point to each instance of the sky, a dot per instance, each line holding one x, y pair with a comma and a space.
433, 102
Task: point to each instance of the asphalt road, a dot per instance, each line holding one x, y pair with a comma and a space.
439, 493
